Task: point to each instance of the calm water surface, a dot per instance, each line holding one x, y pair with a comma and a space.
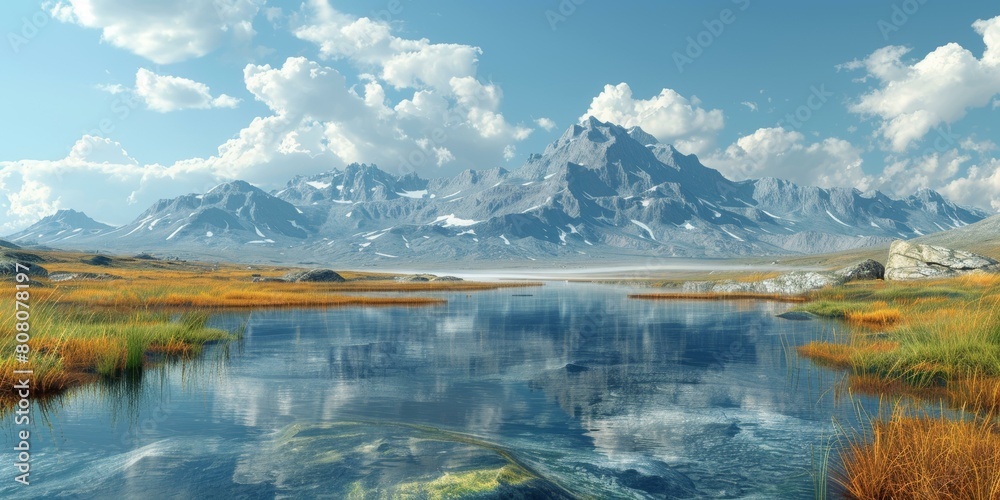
575, 390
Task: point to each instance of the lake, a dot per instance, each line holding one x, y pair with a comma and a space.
561, 391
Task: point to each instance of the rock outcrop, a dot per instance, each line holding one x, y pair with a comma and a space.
267, 279
9, 268
420, 278
83, 277
793, 283
315, 276
912, 261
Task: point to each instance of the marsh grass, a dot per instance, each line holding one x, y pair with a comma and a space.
929, 341
920, 456
70, 344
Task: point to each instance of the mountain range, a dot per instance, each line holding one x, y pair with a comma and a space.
599, 191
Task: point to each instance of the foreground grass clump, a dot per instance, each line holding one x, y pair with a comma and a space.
923, 457
70, 345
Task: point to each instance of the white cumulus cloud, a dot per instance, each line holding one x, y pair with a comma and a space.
911, 98
776, 152
164, 31
546, 123
669, 116
165, 93
401, 62
32, 189
980, 186
904, 175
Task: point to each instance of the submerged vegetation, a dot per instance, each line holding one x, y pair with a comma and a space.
142, 311
937, 341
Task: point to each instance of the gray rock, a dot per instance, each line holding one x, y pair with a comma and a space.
866, 270
415, 278
56, 277
793, 283
315, 276
798, 316
265, 279
9, 268
698, 286
446, 278
912, 261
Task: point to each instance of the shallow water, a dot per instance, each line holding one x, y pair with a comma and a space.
573, 391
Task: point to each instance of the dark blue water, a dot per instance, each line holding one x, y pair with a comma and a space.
586, 392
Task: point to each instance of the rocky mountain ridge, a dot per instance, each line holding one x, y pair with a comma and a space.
598, 191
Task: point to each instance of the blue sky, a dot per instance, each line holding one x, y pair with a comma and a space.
140, 101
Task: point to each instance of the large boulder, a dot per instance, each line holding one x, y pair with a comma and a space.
315, 275
862, 271
912, 261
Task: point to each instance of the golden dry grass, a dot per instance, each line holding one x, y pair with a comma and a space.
979, 394
827, 354
231, 287
924, 457
878, 318
842, 355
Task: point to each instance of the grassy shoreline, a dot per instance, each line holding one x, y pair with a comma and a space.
937, 341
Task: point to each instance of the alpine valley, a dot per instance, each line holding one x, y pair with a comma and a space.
599, 192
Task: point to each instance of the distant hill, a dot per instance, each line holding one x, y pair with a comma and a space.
983, 237
60, 228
